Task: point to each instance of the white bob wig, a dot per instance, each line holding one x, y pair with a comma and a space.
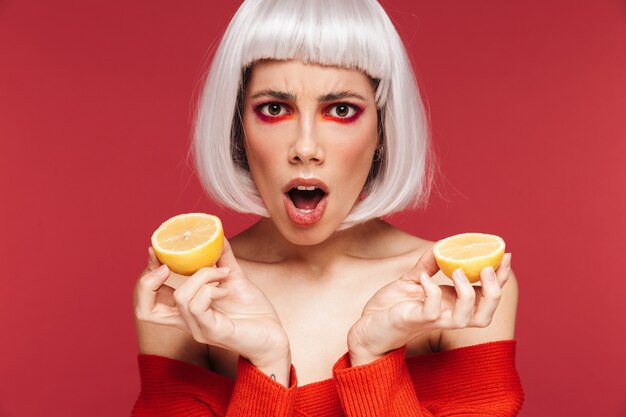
354, 34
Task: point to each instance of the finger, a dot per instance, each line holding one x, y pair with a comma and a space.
193, 283
465, 297
426, 263
176, 280
502, 274
166, 315
153, 261
200, 304
431, 308
201, 311
150, 306
190, 287
489, 299
147, 288
227, 259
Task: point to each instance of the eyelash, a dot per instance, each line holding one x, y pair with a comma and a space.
269, 118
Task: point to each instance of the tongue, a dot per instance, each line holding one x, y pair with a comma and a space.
306, 200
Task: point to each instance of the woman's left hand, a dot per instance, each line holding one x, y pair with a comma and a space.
414, 304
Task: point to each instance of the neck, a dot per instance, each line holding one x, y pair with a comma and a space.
350, 243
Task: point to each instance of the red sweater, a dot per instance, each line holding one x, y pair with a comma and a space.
479, 380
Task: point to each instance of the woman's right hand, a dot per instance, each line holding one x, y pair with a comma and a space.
220, 307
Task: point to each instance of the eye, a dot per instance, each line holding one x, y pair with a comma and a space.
342, 111
272, 109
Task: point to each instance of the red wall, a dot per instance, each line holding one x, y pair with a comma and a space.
527, 102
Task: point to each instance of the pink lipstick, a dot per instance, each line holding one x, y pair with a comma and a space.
305, 200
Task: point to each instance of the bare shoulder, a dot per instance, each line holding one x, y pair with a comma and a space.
502, 326
388, 241
154, 339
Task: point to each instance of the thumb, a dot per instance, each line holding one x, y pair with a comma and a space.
227, 259
426, 263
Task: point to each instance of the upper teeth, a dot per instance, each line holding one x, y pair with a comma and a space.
302, 188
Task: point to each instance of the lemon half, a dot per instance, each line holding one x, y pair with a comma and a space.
469, 251
188, 242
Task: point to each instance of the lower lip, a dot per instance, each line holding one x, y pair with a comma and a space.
305, 217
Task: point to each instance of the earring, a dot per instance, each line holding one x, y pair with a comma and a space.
378, 153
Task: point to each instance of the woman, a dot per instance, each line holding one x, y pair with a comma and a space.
310, 118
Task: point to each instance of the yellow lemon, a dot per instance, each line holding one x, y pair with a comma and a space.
469, 251
188, 242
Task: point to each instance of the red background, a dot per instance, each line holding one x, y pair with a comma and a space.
527, 102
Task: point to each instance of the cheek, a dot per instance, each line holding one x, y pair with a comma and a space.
357, 152
353, 163
258, 150
356, 159
263, 157
262, 163
258, 144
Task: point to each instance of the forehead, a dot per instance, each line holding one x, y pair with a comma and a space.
297, 77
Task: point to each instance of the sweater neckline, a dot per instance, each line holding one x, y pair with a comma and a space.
227, 382
409, 360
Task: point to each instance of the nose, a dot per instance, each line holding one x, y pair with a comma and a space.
306, 148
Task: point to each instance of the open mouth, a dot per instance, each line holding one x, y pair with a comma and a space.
305, 200
306, 197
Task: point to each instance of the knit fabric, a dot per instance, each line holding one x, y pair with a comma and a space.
478, 380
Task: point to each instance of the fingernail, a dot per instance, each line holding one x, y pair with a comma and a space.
491, 274
507, 260
459, 275
424, 278
161, 269
223, 270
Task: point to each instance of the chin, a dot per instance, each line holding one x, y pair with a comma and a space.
308, 235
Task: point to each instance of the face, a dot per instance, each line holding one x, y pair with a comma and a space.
311, 133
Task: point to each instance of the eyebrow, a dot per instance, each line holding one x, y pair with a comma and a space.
280, 95
283, 95
339, 95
